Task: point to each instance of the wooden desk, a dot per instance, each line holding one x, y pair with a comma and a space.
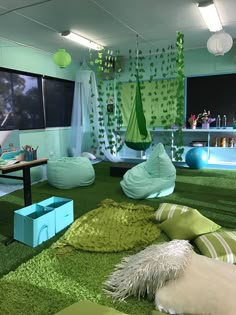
25, 167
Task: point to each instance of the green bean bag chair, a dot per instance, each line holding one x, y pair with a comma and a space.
70, 172
151, 179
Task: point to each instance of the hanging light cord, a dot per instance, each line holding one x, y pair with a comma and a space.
23, 7
137, 52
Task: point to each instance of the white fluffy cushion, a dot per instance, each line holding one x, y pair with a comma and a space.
206, 287
141, 274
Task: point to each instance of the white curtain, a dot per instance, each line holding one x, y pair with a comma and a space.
86, 103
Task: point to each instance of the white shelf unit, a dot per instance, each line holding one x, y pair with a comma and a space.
217, 155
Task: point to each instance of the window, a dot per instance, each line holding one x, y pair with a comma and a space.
21, 103
29, 101
216, 93
58, 99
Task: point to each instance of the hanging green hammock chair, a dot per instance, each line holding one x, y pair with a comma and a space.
137, 136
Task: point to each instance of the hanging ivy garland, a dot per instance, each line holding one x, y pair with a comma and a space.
107, 69
165, 103
179, 150
162, 95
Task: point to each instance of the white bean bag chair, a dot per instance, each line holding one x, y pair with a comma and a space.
70, 172
151, 179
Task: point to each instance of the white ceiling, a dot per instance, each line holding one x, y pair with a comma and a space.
111, 23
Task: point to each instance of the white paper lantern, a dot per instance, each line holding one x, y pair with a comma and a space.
219, 43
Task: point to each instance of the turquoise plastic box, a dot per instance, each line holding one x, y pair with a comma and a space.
39, 222
64, 211
33, 225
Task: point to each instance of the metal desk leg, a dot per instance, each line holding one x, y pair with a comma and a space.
27, 186
27, 195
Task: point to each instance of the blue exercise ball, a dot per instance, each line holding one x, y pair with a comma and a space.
197, 158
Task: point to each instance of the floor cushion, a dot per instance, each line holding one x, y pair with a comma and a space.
179, 280
88, 308
157, 313
207, 286
169, 210
36, 174
70, 172
141, 274
220, 245
151, 179
188, 226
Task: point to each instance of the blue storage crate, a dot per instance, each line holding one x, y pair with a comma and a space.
33, 225
64, 211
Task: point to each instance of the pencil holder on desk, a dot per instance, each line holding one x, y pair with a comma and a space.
30, 155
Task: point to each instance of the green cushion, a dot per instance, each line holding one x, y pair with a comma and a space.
88, 308
220, 245
169, 210
188, 225
70, 172
157, 313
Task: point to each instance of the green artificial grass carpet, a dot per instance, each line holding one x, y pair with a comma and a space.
212, 192
48, 282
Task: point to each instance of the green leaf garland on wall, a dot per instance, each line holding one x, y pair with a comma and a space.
179, 96
161, 74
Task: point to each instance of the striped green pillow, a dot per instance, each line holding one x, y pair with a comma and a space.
169, 210
188, 226
218, 245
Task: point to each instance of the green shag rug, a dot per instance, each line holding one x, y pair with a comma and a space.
112, 227
51, 281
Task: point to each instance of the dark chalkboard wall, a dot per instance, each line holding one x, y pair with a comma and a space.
216, 93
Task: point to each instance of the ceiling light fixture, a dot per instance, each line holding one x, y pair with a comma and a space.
81, 40
210, 15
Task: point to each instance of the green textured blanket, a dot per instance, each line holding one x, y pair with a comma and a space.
112, 227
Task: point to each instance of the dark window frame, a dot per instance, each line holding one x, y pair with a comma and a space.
17, 97
58, 116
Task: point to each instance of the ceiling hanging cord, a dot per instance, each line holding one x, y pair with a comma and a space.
137, 56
